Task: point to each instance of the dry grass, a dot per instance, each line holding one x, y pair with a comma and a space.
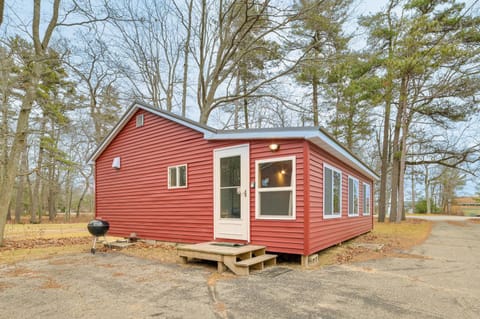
30, 231
392, 240
36, 241
16, 255
163, 252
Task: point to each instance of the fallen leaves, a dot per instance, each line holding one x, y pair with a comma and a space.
43, 243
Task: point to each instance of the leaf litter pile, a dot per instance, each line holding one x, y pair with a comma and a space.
43, 243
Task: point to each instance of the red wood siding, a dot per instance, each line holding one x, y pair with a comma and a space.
328, 232
284, 236
136, 199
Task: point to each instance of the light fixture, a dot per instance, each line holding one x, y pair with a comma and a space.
283, 172
274, 147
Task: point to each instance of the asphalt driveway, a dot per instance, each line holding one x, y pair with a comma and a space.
439, 279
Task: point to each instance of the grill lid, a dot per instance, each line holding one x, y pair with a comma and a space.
98, 227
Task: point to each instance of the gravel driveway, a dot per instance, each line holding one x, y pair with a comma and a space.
439, 279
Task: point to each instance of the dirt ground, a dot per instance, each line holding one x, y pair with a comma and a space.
436, 279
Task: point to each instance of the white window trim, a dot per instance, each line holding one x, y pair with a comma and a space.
178, 176
351, 214
292, 188
339, 214
369, 200
139, 120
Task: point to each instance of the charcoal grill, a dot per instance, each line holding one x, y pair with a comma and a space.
97, 228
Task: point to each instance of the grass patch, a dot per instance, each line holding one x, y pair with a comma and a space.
30, 231
471, 212
16, 255
163, 252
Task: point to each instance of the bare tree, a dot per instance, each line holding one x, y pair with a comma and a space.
186, 20
224, 36
150, 46
2, 6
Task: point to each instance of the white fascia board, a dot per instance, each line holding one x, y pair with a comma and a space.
174, 119
327, 144
258, 135
313, 135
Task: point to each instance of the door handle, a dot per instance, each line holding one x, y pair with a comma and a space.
239, 192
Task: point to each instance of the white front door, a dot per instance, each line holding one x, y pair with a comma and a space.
231, 193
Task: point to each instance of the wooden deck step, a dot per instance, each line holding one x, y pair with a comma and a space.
239, 259
255, 260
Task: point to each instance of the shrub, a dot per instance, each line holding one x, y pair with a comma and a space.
421, 207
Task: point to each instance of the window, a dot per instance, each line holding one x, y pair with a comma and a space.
353, 197
275, 188
177, 176
139, 120
332, 192
366, 199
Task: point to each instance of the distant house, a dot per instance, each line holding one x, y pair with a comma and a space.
294, 190
467, 206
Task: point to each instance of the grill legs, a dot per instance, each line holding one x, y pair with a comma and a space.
95, 242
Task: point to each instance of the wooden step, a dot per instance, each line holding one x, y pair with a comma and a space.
256, 260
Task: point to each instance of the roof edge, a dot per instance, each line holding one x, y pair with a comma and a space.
311, 134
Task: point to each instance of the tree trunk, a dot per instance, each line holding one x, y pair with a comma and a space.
427, 191
4, 130
413, 191
245, 104
2, 6
85, 190
315, 101
19, 200
403, 147
18, 146
401, 183
395, 168
33, 215
383, 198
186, 52
9, 213
204, 114
68, 195
36, 198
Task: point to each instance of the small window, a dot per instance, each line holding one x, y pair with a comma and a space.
140, 120
332, 192
353, 197
275, 188
366, 199
177, 176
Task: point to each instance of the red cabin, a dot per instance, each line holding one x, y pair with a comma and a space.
294, 190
